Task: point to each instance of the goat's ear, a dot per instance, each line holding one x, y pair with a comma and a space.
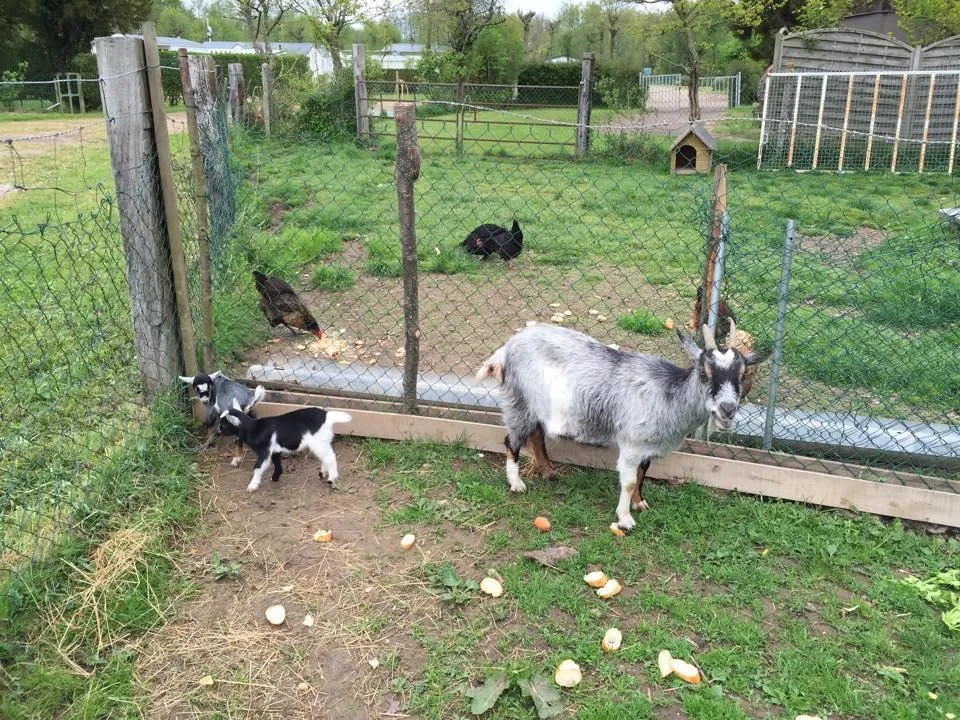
224, 414
215, 374
187, 380
757, 358
689, 345
236, 405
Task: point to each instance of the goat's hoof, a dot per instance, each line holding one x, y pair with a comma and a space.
332, 482
252, 488
639, 506
236, 462
518, 487
627, 524
324, 475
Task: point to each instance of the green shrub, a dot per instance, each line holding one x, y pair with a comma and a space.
612, 82
332, 277
11, 94
329, 113
641, 321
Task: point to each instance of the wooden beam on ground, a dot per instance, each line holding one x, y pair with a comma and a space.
910, 503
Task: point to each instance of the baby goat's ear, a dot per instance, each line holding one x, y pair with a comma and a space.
187, 380
230, 418
215, 374
757, 358
689, 345
236, 405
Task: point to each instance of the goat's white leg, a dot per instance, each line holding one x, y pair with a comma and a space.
328, 465
513, 467
627, 464
258, 473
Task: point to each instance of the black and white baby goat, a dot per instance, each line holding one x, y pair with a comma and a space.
556, 382
218, 393
272, 437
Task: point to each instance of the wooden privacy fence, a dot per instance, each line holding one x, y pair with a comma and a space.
860, 120
848, 49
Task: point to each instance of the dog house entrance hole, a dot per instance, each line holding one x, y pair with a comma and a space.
686, 158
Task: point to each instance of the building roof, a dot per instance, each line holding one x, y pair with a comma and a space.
701, 132
562, 59
403, 49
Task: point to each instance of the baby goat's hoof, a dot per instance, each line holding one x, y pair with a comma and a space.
236, 462
518, 487
639, 505
627, 524
252, 488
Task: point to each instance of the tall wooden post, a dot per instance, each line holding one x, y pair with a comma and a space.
143, 223
202, 209
169, 193
238, 94
718, 210
407, 172
360, 91
266, 79
584, 104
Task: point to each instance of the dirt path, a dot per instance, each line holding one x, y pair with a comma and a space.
362, 590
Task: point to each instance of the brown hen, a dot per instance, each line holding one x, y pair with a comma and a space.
282, 306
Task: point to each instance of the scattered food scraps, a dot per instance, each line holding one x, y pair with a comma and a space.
610, 589
668, 323
407, 541
276, 614
615, 529
596, 579
665, 663
374, 663
308, 620
612, 640
491, 586
323, 535
568, 674
557, 318
206, 680
541, 523
685, 671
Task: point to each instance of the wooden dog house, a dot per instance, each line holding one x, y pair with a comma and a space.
692, 152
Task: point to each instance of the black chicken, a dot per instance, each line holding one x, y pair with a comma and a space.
490, 239
724, 315
282, 306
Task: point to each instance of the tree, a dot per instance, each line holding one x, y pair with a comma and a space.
927, 21
758, 21
526, 19
62, 29
260, 18
691, 16
329, 18
552, 27
613, 9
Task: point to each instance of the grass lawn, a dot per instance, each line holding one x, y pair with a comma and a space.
785, 609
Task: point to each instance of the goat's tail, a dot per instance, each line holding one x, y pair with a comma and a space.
492, 367
335, 416
258, 394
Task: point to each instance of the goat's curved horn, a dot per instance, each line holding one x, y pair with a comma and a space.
709, 341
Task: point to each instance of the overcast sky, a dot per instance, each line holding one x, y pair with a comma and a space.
547, 8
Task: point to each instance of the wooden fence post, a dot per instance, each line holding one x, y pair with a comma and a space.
407, 172
133, 159
718, 203
266, 79
238, 94
584, 103
201, 206
172, 215
360, 91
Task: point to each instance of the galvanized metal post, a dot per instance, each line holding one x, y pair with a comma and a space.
778, 331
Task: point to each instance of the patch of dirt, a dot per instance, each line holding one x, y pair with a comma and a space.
362, 590
668, 112
277, 211
463, 318
842, 250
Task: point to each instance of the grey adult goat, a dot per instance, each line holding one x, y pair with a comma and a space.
557, 382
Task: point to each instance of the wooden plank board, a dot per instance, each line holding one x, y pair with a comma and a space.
906, 502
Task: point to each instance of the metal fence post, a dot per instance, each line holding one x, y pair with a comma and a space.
461, 94
360, 91
737, 98
717, 280
778, 331
266, 79
584, 101
407, 172
133, 159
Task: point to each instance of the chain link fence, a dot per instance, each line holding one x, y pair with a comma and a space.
614, 245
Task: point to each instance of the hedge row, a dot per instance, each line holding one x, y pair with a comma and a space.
284, 66
567, 75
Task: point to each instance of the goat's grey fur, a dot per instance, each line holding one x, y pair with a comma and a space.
218, 393
566, 384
